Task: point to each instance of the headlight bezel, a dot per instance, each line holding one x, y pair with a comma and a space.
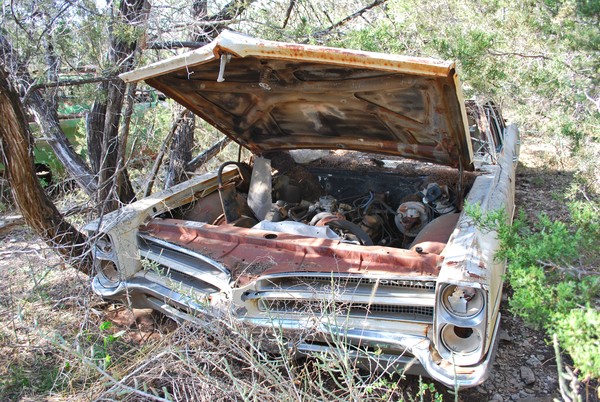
460, 345
105, 261
452, 325
472, 295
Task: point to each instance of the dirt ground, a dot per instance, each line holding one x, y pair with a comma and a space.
45, 306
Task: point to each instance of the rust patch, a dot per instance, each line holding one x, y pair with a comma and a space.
240, 247
474, 276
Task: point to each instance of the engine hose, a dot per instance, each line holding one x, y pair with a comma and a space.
353, 228
319, 216
387, 207
292, 213
223, 165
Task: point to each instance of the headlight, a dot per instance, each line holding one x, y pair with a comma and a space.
103, 248
461, 323
460, 340
105, 262
108, 270
461, 301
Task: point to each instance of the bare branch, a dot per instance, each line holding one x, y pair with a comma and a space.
17, 21
161, 153
207, 155
527, 56
596, 102
176, 44
538, 56
230, 11
116, 383
65, 83
349, 18
47, 119
51, 23
288, 13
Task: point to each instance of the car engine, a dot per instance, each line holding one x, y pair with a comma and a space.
374, 207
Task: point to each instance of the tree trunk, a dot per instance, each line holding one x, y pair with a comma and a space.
183, 140
16, 144
181, 149
208, 154
47, 119
109, 172
114, 184
94, 126
53, 66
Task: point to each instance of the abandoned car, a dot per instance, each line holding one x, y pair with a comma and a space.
348, 222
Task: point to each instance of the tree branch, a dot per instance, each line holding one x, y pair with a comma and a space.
16, 145
47, 119
538, 56
207, 155
176, 44
527, 56
596, 102
65, 83
288, 13
161, 153
230, 11
349, 18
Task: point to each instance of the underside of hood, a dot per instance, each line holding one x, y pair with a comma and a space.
278, 96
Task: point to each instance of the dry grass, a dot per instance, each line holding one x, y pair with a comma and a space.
61, 342
40, 300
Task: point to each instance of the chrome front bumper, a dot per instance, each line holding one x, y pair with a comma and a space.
414, 351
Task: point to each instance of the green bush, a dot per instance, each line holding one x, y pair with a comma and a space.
552, 275
579, 330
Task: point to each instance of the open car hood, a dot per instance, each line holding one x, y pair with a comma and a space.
281, 96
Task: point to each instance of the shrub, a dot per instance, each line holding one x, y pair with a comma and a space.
551, 271
579, 330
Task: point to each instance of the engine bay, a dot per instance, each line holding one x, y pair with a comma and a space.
367, 203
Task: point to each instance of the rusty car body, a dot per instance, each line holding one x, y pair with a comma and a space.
349, 221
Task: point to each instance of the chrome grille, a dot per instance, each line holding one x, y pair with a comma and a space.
346, 281
412, 313
352, 296
182, 265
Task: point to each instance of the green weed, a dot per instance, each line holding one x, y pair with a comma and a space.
100, 352
428, 389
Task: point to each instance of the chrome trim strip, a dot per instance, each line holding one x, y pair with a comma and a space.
172, 263
370, 279
408, 299
141, 285
418, 346
168, 245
